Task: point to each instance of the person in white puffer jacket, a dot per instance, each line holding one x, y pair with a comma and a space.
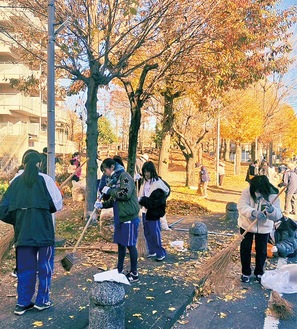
258, 201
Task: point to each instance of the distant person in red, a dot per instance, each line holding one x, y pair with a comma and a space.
75, 161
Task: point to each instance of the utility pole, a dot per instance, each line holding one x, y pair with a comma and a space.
218, 149
51, 90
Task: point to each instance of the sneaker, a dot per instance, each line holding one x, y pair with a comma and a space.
151, 255
132, 277
20, 310
258, 278
245, 278
43, 306
159, 259
14, 273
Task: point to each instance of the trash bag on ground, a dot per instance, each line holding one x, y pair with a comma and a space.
283, 280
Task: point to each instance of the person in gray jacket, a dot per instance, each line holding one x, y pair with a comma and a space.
258, 201
290, 181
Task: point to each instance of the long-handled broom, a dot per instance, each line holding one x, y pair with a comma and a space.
214, 271
68, 261
141, 242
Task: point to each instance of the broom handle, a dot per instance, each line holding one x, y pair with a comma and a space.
84, 230
76, 170
255, 221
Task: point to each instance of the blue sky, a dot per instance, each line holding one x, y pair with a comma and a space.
290, 78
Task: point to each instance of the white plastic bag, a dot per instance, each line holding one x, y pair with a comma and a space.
282, 280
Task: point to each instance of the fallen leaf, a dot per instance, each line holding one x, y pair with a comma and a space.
37, 324
71, 316
149, 297
168, 291
222, 315
171, 308
137, 315
154, 311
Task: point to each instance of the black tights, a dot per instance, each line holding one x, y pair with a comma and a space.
133, 258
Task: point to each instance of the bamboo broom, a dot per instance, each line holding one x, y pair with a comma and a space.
279, 307
214, 271
141, 242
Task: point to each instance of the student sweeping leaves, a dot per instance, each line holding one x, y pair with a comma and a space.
30, 199
256, 203
123, 199
152, 197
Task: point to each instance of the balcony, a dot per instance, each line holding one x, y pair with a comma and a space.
20, 104
14, 71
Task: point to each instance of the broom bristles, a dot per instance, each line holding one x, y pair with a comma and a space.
6, 243
279, 307
141, 242
214, 271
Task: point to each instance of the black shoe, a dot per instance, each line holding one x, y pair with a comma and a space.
20, 310
245, 278
43, 306
132, 277
258, 278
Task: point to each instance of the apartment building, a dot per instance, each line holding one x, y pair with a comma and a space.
23, 117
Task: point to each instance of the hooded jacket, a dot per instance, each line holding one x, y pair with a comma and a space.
245, 207
123, 196
155, 202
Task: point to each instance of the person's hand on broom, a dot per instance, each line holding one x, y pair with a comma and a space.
98, 205
260, 215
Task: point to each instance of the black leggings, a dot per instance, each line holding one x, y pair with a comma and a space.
133, 258
261, 241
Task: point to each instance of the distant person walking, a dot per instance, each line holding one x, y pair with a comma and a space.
290, 181
255, 203
221, 172
75, 161
43, 165
252, 171
204, 179
31, 198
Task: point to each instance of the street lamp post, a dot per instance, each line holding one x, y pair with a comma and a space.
51, 90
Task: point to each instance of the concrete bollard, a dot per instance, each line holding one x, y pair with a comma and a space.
198, 237
231, 211
107, 305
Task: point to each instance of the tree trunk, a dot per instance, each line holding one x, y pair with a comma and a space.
166, 132
133, 136
92, 145
238, 159
191, 180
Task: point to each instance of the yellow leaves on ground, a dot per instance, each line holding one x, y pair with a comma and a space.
37, 324
168, 291
222, 315
149, 297
137, 315
154, 312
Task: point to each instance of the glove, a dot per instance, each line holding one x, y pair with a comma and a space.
98, 205
137, 177
269, 208
259, 215
105, 189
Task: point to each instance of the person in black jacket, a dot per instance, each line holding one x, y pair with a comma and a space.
31, 198
152, 197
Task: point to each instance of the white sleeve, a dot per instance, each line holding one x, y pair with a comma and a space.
53, 191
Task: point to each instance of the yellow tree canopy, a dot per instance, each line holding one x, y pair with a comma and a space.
242, 119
